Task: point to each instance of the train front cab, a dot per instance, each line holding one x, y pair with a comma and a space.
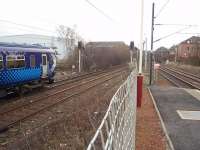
48, 66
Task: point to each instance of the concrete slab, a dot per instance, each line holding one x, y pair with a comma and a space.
194, 92
189, 115
184, 134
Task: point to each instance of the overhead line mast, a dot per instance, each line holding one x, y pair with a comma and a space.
151, 53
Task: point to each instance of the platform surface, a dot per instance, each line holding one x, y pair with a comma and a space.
180, 112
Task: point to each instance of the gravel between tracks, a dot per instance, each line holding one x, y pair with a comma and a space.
59, 128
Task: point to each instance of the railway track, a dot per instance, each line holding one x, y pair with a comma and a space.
14, 96
181, 78
56, 90
80, 77
184, 72
16, 114
59, 83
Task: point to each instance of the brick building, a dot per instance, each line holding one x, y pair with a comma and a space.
189, 48
189, 51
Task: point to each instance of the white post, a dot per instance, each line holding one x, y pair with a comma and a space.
79, 60
145, 65
131, 56
141, 36
176, 51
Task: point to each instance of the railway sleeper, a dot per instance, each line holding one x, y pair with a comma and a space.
4, 129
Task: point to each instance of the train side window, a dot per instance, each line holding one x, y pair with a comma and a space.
44, 60
1, 62
20, 61
10, 61
32, 61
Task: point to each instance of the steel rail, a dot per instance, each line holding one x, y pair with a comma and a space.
180, 70
172, 81
188, 75
75, 112
180, 79
8, 124
83, 76
80, 77
42, 98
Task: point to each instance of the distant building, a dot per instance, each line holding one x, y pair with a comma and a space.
173, 53
188, 51
105, 54
189, 48
49, 41
106, 44
161, 54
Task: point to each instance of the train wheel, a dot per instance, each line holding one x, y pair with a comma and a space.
3, 93
20, 90
51, 81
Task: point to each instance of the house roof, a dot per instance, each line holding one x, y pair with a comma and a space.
105, 44
2, 44
24, 47
192, 40
161, 49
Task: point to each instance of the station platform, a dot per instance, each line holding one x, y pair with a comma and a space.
179, 112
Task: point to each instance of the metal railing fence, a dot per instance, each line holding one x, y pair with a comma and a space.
117, 129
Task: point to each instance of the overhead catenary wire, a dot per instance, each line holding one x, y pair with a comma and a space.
47, 38
162, 8
31, 36
25, 26
25, 31
190, 33
100, 11
179, 31
167, 24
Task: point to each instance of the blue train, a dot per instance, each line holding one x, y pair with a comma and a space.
22, 65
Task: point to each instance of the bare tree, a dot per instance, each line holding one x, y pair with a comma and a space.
67, 35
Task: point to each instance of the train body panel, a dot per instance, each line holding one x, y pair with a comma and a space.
19, 76
21, 65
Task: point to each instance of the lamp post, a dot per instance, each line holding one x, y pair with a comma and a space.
140, 76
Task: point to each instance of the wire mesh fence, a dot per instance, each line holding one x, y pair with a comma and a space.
117, 129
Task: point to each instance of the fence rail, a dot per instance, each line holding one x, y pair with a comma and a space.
117, 129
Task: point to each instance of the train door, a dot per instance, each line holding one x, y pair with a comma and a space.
44, 65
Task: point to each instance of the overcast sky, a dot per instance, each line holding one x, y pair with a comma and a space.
93, 26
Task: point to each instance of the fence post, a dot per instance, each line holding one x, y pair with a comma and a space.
117, 129
139, 90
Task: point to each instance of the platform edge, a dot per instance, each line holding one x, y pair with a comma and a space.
162, 122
